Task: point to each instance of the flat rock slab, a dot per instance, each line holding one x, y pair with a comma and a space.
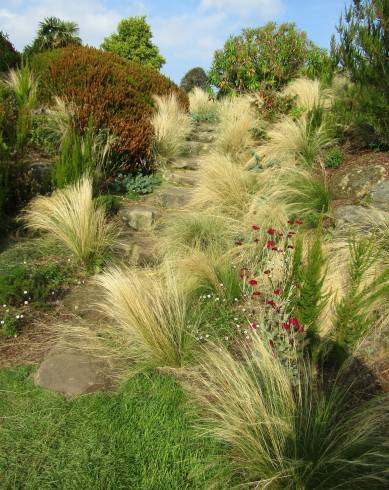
185, 163
380, 195
183, 178
350, 215
138, 217
141, 249
72, 373
357, 181
175, 197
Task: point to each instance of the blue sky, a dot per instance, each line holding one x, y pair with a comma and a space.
186, 31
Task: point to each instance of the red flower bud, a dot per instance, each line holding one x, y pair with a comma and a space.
253, 282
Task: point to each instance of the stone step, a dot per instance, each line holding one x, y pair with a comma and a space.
185, 163
174, 197
196, 148
72, 372
202, 136
140, 217
140, 248
183, 178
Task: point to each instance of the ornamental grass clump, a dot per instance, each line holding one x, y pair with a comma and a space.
285, 429
224, 187
234, 133
71, 217
308, 94
150, 313
201, 105
172, 126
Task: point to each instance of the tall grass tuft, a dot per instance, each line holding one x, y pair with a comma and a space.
201, 105
70, 216
24, 85
171, 126
285, 432
202, 231
306, 195
150, 311
296, 141
237, 119
309, 94
224, 187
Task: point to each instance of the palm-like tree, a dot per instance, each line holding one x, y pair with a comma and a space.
56, 33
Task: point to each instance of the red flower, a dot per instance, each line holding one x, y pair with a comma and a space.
270, 244
253, 282
290, 221
256, 227
277, 292
253, 326
256, 293
271, 231
271, 343
271, 303
267, 272
286, 326
299, 222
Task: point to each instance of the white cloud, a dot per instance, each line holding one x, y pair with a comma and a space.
264, 9
95, 20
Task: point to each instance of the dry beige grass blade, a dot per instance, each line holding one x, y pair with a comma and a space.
71, 217
151, 314
225, 187
171, 126
237, 119
200, 102
294, 141
309, 94
202, 230
24, 85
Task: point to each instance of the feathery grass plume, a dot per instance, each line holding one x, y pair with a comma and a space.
282, 431
296, 141
366, 287
309, 94
224, 187
70, 216
171, 126
306, 195
151, 312
61, 119
188, 230
201, 104
24, 85
237, 119
208, 271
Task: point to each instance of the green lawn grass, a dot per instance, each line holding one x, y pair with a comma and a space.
138, 438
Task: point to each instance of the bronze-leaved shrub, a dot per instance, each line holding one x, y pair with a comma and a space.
116, 93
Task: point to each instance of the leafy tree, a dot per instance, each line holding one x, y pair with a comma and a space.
54, 33
9, 57
133, 42
265, 57
363, 51
196, 77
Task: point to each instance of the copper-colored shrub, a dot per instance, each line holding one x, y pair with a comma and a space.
116, 93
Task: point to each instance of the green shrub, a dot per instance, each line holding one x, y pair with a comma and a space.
116, 93
9, 57
40, 137
334, 158
9, 321
133, 42
135, 185
109, 202
196, 77
265, 57
35, 282
362, 51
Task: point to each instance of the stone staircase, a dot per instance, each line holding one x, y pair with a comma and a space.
74, 372
143, 219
